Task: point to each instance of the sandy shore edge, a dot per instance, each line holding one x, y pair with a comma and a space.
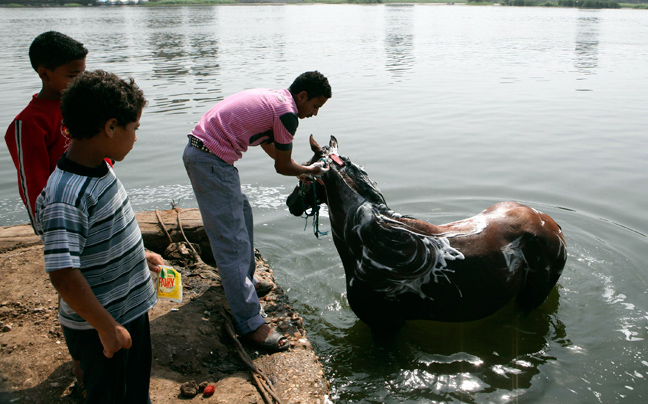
190, 342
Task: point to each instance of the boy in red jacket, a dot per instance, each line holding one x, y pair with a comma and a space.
36, 138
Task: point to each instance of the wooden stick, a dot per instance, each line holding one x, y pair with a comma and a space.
263, 383
161, 223
177, 209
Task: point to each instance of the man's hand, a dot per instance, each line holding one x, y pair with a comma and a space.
154, 260
319, 168
114, 340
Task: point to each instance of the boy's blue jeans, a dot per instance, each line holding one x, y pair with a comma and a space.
227, 217
122, 379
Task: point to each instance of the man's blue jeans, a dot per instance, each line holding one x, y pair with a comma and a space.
227, 217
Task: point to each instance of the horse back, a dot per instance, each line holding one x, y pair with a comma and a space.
520, 251
460, 271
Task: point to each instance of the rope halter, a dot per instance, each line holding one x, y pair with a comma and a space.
315, 209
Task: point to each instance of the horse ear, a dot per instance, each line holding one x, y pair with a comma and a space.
333, 143
314, 146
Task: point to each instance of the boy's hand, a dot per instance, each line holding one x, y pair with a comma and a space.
154, 261
76, 292
115, 340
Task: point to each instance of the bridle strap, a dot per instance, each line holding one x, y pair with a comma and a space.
336, 159
314, 210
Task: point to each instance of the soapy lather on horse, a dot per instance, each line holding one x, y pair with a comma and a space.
399, 268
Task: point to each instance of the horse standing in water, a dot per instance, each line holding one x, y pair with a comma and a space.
399, 268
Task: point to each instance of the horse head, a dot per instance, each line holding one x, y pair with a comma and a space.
342, 175
309, 193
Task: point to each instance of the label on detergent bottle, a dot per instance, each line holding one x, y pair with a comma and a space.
169, 284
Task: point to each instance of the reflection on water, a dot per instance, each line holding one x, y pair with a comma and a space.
260, 197
184, 60
573, 341
399, 39
492, 359
587, 43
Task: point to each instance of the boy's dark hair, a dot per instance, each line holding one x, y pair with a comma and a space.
53, 49
95, 97
314, 83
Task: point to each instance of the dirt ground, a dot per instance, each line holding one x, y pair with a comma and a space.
190, 339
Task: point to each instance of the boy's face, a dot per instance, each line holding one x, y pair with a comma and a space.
124, 139
307, 108
58, 79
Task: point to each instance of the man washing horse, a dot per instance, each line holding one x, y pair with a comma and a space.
264, 117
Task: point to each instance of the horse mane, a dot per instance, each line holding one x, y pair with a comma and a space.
365, 186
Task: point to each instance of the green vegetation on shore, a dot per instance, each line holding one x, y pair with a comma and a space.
208, 2
563, 3
643, 6
189, 2
519, 3
516, 3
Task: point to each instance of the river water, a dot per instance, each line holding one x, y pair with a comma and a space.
449, 109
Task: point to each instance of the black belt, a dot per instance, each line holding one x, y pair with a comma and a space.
198, 144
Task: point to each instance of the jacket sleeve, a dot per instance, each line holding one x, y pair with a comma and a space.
27, 145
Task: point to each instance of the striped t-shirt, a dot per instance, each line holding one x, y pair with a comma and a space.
249, 118
86, 222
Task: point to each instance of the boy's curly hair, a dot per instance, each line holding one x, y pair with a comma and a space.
314, 83
95, 97
53, 49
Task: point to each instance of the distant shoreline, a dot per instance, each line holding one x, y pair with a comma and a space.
149, 3
171, 3
168, 3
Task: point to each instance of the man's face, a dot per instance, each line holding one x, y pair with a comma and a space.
307, 108
61, 77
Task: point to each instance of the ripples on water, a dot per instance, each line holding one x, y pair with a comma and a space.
585, 344
450, 109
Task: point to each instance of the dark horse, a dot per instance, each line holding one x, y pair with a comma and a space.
399, 268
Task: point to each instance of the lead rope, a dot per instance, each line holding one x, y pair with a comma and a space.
314, 210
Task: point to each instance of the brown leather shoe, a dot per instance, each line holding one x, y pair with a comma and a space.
263, 287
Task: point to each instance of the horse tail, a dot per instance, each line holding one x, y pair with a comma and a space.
545, 255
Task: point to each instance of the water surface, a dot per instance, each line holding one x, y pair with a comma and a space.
450, 109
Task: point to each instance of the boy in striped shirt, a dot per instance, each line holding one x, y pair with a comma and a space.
93, 246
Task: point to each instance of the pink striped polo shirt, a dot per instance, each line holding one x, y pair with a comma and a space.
248, 118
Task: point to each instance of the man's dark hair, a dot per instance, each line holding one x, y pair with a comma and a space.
314, 83
95, 97
53, 49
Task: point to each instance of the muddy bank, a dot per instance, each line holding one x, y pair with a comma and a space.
190, 339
